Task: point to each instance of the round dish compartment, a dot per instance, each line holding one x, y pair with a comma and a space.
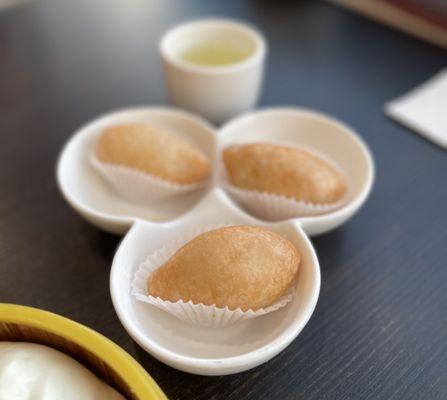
313, 131
92, 197
196, 349
107, 360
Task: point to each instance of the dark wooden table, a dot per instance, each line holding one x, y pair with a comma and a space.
380, 327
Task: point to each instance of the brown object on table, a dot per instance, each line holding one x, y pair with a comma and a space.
425, 19
285, 171
153, 151
236, 267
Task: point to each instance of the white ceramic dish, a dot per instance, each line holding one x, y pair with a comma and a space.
196, 349
249, 343
314, 131
93, 198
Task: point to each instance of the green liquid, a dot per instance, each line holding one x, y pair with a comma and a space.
214, 54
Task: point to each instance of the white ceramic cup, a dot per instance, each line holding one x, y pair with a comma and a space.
215, 92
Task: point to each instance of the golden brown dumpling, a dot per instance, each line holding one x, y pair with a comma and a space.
154, 151
239, 267
284, 171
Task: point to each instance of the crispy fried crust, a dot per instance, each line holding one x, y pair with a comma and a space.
285, 171
237, 266
154, 151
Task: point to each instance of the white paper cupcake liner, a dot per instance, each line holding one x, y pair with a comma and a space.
273, 207
139, 186
196, 314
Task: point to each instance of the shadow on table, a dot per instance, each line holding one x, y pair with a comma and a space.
101, 243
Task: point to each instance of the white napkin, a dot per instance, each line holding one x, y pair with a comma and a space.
424, 109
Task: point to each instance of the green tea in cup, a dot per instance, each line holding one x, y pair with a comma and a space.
214, 54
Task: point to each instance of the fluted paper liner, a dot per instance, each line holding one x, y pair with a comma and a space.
274, 207
196, 314
140, 186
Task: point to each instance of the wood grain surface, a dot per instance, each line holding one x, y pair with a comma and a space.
380, 327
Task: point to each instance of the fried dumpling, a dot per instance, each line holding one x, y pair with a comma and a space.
236, 267
285, 171
154, 151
